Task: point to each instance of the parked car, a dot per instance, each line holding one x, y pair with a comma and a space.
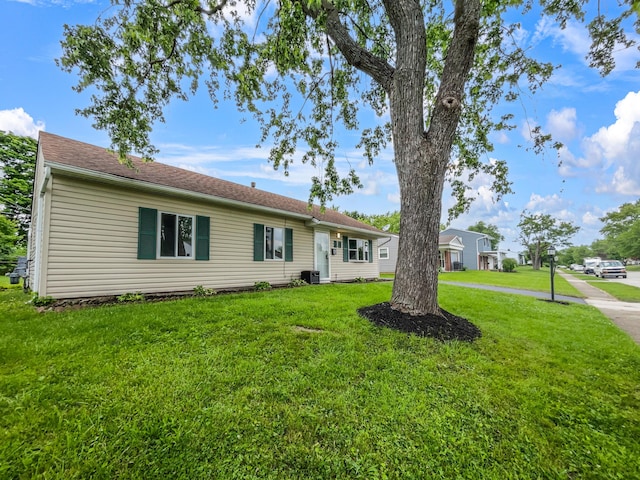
577, 268
610, 268
589, 267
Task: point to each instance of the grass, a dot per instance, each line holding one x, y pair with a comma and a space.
623, 292
524, 278
284, 384
5, 282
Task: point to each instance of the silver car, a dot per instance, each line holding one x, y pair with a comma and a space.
610, 268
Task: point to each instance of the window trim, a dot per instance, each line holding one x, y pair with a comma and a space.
360, 243
282, 236
159, 237
260, 243
386, 250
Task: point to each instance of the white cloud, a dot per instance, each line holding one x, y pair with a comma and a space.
538, 203
565, 215
501, 138
618, 145
614, 139
394, 197
612, 152
562, 124
574, 38
19, 122
621, 183
567, 77
175, 154
589, 218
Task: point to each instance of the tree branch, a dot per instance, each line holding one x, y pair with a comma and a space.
457, 65
200, 8
356, 55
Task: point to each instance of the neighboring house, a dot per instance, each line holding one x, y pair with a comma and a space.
477, 250
450, 253
522, 258
101, 228
451, 250
388, 253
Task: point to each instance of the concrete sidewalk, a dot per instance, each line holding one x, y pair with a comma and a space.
625, 315
529, 293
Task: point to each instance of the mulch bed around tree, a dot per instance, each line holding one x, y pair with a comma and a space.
446, 327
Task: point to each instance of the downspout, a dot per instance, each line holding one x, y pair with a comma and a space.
383, 244
37, 261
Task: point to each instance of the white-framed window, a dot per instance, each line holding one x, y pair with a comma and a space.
358, 250
273, 243
175, 235
383, 253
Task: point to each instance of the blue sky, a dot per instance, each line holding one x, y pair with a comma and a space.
597, 119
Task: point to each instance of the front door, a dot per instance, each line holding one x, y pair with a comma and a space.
322, 255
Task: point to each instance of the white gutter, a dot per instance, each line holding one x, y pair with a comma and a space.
39, 233
45, 180
314, 222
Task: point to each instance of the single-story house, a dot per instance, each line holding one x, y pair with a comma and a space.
450, 253
102, 228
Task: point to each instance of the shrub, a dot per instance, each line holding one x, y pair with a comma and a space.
509, 265
261, 286
200, 291
38, 301
297, 282
131, 297
360, 280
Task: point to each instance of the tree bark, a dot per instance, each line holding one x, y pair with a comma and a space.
421, 156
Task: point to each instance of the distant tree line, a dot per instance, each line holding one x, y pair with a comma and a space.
17, 165
621, 240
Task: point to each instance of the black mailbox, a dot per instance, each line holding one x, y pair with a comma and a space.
310, 276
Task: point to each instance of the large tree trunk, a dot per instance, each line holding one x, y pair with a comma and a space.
421, 156
415, 289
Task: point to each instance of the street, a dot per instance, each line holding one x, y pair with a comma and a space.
633, 279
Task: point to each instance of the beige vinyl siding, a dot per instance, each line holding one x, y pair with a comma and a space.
93, 242
343, 271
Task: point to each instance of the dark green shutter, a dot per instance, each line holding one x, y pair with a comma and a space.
258, 242
288, 245
147, 229
202, 238
370, 251
345, 249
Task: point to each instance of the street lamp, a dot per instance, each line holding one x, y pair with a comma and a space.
551, 251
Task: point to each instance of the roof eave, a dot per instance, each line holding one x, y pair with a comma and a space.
154, 187
316, 222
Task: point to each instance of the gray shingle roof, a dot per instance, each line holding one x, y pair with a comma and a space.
64, 151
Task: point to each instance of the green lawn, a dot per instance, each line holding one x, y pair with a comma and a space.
524, 278
625, 293
286, 384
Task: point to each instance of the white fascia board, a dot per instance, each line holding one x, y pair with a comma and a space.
154, 187
336, 226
